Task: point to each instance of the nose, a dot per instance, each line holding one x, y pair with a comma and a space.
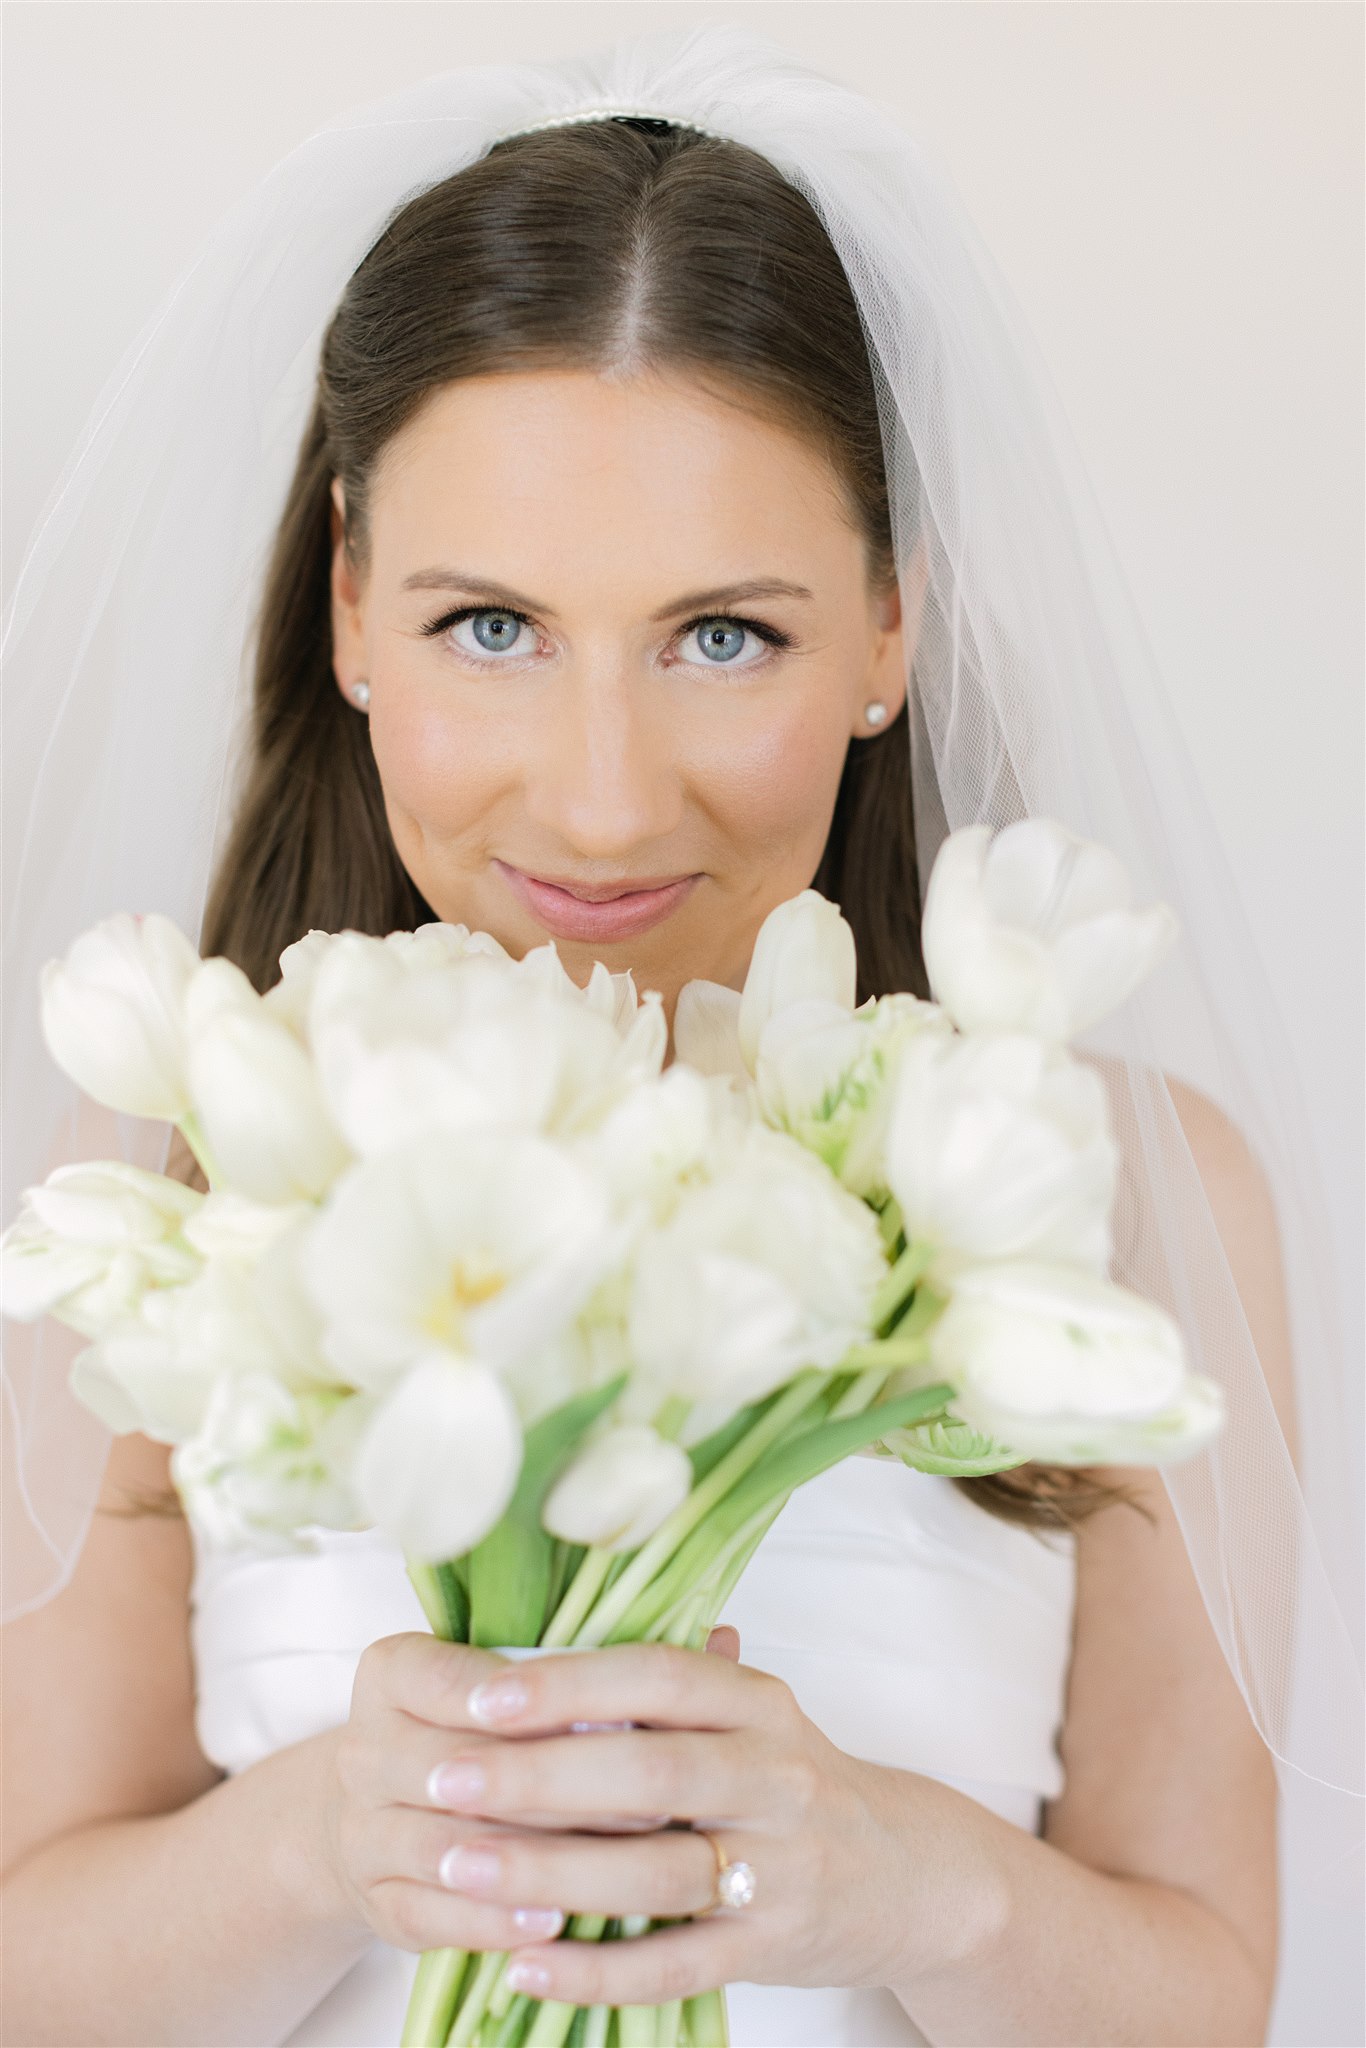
603, 782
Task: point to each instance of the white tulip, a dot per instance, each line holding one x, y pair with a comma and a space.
1051, 1361
489, 1245
431, 946
288, 999
619, 1489
113, 1013
804, 950
436, 943
471, 1048
707, 1029
249, 1305
614, 996
1033, 930
88, 1243
254, 1473
998, 1146
439, 1460
219, 1319
767, 1269
661, 1137
826, 1076
141, 1377
1192, 1421
230, 1226
256, 1094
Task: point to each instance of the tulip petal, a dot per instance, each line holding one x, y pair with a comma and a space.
707, 1028
438, 1463
804, 950
619, 1488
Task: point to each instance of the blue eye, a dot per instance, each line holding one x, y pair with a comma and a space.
720, 639
495, 630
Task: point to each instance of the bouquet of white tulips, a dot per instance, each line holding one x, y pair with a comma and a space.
477, 1267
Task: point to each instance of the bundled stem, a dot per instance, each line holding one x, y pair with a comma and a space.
671, 1590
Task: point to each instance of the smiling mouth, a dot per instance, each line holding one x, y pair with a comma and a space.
622, 914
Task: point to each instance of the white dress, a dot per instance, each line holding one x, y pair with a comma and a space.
914, 1629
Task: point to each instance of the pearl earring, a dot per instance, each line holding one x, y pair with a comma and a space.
360, 694
875, 712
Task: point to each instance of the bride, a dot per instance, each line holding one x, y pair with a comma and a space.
630, 578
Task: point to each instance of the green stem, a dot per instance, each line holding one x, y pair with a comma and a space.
434, 1997
636, 2026
688, 1617
669, 2024
428, 1589
706, 2018
889, 1222
475, 2001
551, 2024
671, 1416
583, 1590
861, 1393
889, 1352
515, 2021
654, 1555
720, 1579
899, 1282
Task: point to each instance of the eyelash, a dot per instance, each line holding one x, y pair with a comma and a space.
773, 636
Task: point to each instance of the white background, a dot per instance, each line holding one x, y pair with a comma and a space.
1174, 192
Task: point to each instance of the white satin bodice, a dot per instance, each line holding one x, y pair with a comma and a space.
914, 1629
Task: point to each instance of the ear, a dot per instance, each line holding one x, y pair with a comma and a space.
349, 659
899, 614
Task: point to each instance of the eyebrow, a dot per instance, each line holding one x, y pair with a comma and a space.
697, 600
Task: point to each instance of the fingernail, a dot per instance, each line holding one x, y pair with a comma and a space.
468, 1870
541, 1922
456, 1784
497, 1699
527, 1976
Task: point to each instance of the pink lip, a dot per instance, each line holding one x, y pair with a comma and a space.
567, 916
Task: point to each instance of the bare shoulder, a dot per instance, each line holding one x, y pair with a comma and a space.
1166, 1776
98, 1682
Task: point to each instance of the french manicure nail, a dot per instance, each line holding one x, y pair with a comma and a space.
456, 1784
468, 1870
541, 1922
497, 1699
523, 1975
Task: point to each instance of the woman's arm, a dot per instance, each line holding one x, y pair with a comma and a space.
1148, 1912
146, 1898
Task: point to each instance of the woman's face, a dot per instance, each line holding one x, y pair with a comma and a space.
629, 700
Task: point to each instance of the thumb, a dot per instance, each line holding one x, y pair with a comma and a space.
725, 1642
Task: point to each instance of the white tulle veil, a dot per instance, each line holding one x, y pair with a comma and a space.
126, 681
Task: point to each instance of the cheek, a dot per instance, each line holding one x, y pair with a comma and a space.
771, 781
440, 771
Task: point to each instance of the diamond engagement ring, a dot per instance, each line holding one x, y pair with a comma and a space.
734, 1881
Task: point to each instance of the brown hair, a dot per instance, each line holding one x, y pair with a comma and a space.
609, 245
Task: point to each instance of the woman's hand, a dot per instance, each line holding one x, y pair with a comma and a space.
386, 1828
845, 1893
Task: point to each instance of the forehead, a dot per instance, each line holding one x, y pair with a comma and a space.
570, 473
